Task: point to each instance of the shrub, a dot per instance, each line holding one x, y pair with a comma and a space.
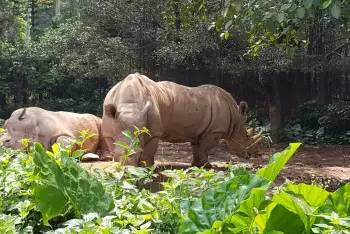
313, 123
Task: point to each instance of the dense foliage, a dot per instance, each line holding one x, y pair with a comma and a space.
50, 192
84, 47
314, 123
274, 22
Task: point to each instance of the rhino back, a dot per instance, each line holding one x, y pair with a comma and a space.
195, 111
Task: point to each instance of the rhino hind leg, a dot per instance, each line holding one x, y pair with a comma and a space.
201, 148
149, 151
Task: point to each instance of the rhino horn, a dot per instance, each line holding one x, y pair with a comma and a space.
257, 136
254, 144
250, 131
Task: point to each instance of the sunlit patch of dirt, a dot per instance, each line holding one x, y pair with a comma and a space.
326, 165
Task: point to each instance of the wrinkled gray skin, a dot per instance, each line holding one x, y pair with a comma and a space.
174, 113
48, 127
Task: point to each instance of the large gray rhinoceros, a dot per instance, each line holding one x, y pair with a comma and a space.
48, 127
174, 113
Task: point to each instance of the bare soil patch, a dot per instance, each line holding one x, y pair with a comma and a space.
327, 165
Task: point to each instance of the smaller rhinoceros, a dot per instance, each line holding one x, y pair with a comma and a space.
48, 127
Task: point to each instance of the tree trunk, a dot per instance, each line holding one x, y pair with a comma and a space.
275, 113
28, 23
177, 15
2, 102
177, 19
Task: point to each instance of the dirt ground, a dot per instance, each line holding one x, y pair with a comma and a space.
328, 165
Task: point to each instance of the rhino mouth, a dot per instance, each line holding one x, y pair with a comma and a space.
247, 146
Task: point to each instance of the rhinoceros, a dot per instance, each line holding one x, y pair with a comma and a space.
48, 127
174, 113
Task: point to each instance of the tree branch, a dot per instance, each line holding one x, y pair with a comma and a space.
335, 51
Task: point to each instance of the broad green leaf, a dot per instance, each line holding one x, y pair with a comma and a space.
326, 4
219, 202
84, 191
277, 162
277, 219
261, 218
313, 195
303, 200
301, 12
46, 167
256, 198
295, 205
50, 201
340, 200
282, 220
57, 185
242, 220
335, 10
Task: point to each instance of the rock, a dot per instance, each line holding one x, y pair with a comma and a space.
90, 157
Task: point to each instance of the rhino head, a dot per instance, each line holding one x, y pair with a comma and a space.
18, 127
5, 139
245, 142
115, 120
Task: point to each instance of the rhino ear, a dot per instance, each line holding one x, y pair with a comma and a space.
111, 111
22, 115
243, 108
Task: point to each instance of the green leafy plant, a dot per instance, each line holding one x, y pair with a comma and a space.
134, 142
217, 205
42, 191
327, 124
64, 185
74, 146
332, 223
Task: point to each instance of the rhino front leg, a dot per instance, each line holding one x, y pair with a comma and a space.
196, 162
200, 155
149, 151
201, 149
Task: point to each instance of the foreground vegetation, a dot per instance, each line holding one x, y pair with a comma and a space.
50, 192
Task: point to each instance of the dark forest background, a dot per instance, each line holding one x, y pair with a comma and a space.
288, 59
